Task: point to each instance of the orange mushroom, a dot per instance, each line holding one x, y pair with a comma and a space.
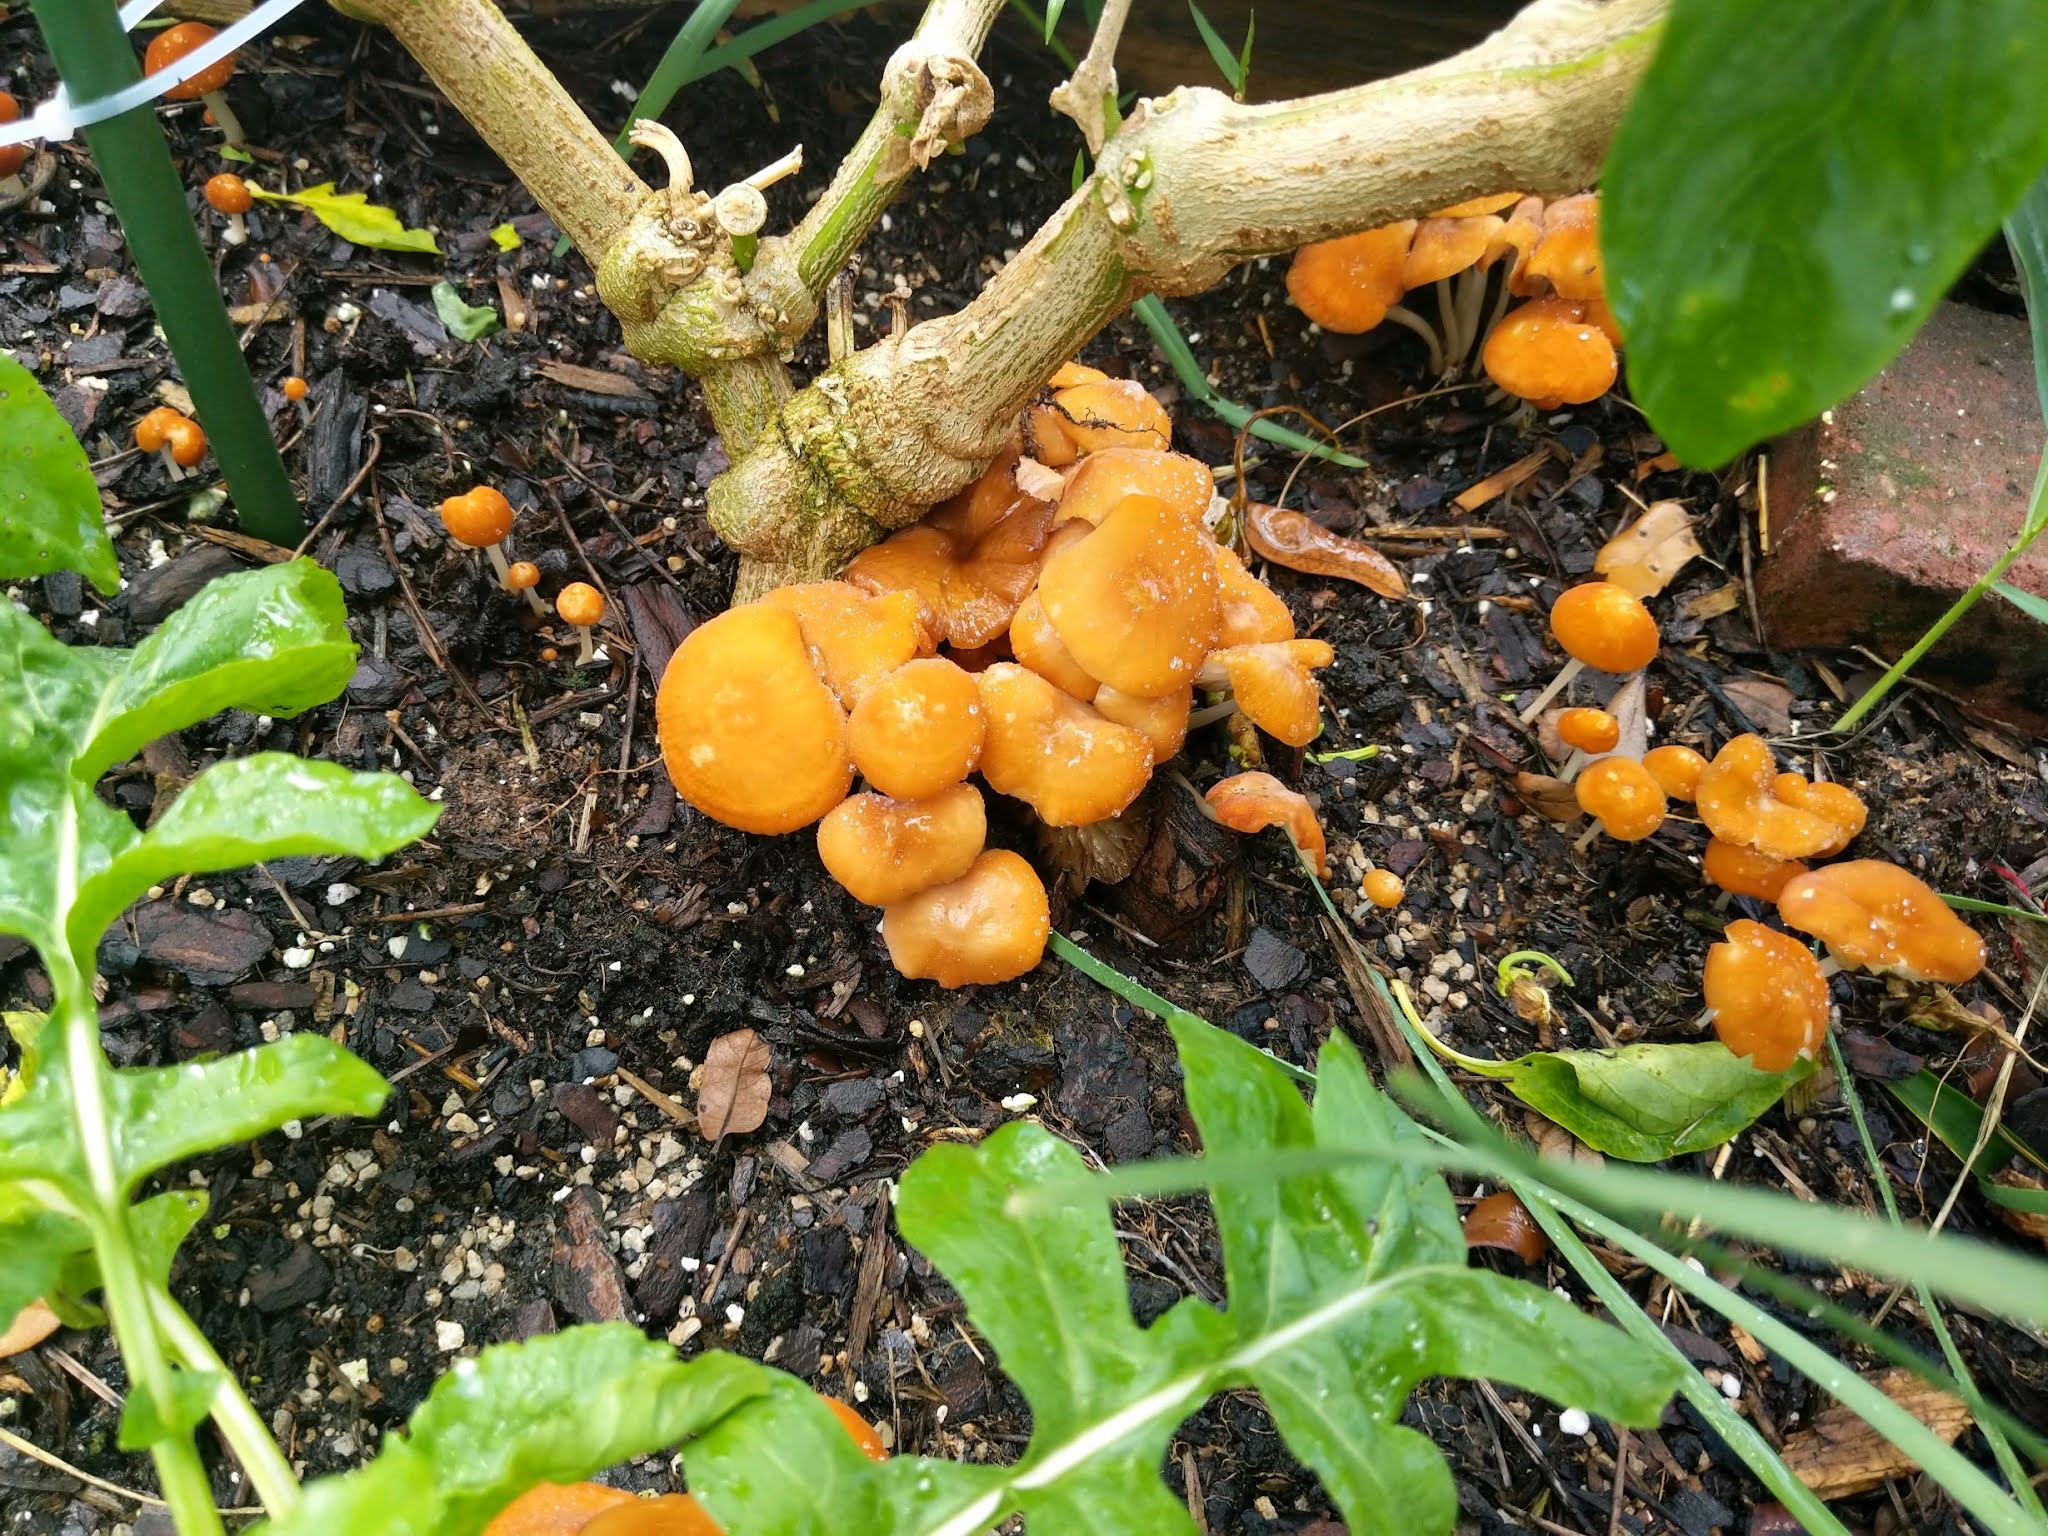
1747, 872
1097, 485
12, 156
1250, 612
582, 605
480, 518
556, 1509
1055, 753
990, 925
918, 730
1622, 795
1070, 373
1601, 626
1549, 353
1447, 252
1352, 283
1742, 801
669, 1514
1135, 601
1096, 414
750, 734
228, 194
1880, 917
1768, 994
1274, 685
294, 389
1676, 769
185, 440
1252, 802
885, 850
522, 576
1516, 237
855, 638
171, 45
1383, 888
173, 437
1163, 721
1568, 255
1589, 730
1038, 646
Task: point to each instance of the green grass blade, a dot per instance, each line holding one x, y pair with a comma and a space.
1224, 56
765, 35
674, 71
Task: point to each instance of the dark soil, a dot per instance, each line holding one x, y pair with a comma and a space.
541, 977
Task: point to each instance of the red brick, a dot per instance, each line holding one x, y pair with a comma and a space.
1886, 512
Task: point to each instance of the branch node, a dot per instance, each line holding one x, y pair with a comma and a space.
1090, 97
776, 170
740, 209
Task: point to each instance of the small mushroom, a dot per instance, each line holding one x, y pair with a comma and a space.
556, 1509
1745, 871
1162, 721
1568, 255
1676, 769
1102, 413
1353, 283
1135, 601
1744, 800
751, 736
227, 194
862, 1433
1252, 802
582, 605
12, 156
174, 437
990, 925
1621, 794
480, 518
1055, 753
885, 850
1274, 685
666, 1514
1589, 730
1768, 995
171, 45
522, 576
1550, 352
918, 730
855, 638
295, 389
1446, 253
1383, 888
1601, 626
1880, 917
1037, 645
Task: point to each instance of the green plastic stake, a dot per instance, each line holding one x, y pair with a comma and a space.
95, 58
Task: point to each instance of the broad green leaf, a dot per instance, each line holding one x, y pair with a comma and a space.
354, 217
2026, 232
49, 504
54, 835
465, 322
267, 806
1641, 1102
160, 1225
38, 1245
146, 1422
1793, 188
555, 1409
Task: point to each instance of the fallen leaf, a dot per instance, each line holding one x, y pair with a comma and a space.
33, 1324
1840, 1455
1645, 556
593, 380
1501, 1221
1501, 481
514, 303
1767, 703
1552, 799
1300, 543
1649, 467
354, 217
732, 1097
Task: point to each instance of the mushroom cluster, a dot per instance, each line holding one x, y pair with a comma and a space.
1558, 348
1047, 628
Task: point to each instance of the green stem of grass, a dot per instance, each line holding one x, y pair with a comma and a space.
95, 58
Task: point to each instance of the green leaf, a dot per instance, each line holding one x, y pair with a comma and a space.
146, 1422
465, 322
49, 503
354, 217
1957, 1120
40, 1245
239, 156
555, 1409
1222, 53
2034, 607
1053, 10
505, 237
160, 1225
2026, 231
1644, 1102
1792, 189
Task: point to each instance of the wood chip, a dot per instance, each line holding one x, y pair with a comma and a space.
658, 1099
1840, 1455
734, 1089
513, 302
593, 381
1711, 605
1501, 481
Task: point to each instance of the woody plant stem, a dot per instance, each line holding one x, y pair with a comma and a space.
1189, 186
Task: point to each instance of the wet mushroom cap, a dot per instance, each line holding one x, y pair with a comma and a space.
1590, 730
1274, 685
1882, 918
1383, 888
1516, 238
1348, 284
581, 604
13, 156
885, 850
750, 734
1098, 485
1832, 802
556, 1509
1162, 721
1738, 798
1605, 627
478, 517
1550, 353
522, 575
1446, 244
1038, 646
1135, 601
1620, 793
228, 193
669, 1514
187, 441
1251, 612
1745, 871
1568, 255
1070, 373
294, 388
1102, 413
1252, 802
1055, 753
862, 1433
1769, 997
153, 431
1676, 769
855, 638
1472, 207
918, 730
172, 44
988, 926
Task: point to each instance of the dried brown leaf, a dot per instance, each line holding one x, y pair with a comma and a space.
33, 1324
733, 1092
1649, 552
1501, 481
1552, 799
1767, 703
1300, 543
1725, 598
1840, 1455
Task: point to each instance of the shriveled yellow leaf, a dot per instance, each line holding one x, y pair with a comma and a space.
354, 217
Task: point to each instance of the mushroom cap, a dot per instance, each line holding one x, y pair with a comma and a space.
1621, 794
13, 156
1383, 888
478, 518
1676, 769
1055, 753
1252, 802
228, 193
1070, 373
1135, 601
1516, 238
668, 1514
172, 44
1251, 613
1590, 730
1348, 284
1643, 557
1878, 916
857, 1428
1038, 646
1568, 255
750, 734
1446, 244
1549, 353
856, 638
293, 388
1163, 721
1745, 871
581, 604
1472, 207
556, 1509
918, 730
153, 431
522, 575
1769, 997
990, 925
883, 850
1836, 803
1604, 626
1101, 413
187, 441
1274, 685
1740, 800
1098, 485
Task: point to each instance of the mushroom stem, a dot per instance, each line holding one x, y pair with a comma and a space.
1586, 839
659, 137
1447, 312
237, 232
1558, 684
1201, 800
1500, 302
224, 118
1212, 714
587, 652
1573, 762
495, 553
776, 170
1471, 294
533, 601
170, 464
1400, 314
1831, 967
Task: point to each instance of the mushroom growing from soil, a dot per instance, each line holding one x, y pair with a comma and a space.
1252, 802
1096, 414
171, 45
174, 437
295, 389
582, 605
884, 851
1676, 769
227, 194
1601, 626
1746, 872
1768, 994
1383, 888
1589, 730
1881, 918
1744, 800
856, 639
1621, 794
1097, 486
668, 1514
556, 1509
1060, 756
480, 518
1353, 283
918, 731
1551, 352
12, 156
522, 576
990, 925
1274, 685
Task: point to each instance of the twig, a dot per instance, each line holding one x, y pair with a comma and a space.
569, 532
1089, 98
55, 1463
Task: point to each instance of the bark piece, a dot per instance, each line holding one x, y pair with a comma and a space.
210, 946
1840, 1455
587, 1279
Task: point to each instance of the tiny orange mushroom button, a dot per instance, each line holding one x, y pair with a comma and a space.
1620, 792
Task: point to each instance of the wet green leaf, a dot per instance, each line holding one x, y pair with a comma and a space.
49, 504
465, 322
1957, 1120
1793, 188
146, 1422
354, 217
39, 1245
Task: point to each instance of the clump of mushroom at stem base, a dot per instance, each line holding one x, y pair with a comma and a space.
990, 925
481, 518
1599, 625
171, 45
1768, 994
1745, 800
174, 437
228, 195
